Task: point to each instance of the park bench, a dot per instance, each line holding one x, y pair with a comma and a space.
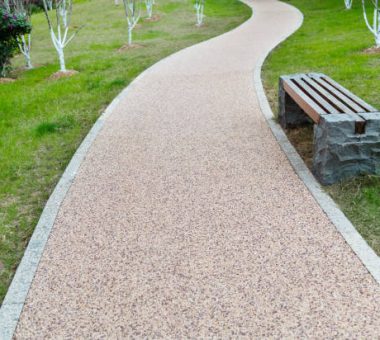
346, 130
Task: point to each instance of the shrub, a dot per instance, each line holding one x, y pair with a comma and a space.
36, 5
11, 26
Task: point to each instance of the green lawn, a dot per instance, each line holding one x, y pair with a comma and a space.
43, 121
332, 41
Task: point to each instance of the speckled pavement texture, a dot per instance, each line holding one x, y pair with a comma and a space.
187, 221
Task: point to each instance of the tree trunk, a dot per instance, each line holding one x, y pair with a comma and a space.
130, 36
28, 60
62, 60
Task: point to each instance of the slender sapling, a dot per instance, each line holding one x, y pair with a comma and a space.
199, 8
59, 28
132, 13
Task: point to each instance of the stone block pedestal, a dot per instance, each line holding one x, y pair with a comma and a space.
339, 153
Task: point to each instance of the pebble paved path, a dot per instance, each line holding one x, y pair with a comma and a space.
186, 219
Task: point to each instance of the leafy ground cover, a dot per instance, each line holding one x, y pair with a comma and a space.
334, 41
43, 120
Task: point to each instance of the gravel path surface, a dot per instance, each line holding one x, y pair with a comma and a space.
187, 220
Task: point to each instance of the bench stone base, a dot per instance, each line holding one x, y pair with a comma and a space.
339, 153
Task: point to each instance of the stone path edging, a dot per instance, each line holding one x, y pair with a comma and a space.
15, 298
359, 246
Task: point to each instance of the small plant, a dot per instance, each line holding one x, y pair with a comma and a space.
12, 26
375, 27
348, 4
59, 28
132, 12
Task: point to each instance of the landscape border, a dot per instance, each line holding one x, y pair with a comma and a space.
343, 225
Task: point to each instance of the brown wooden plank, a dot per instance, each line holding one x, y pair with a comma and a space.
360, 123
339, 95
347, 93
315, 96
313, 110
335, 102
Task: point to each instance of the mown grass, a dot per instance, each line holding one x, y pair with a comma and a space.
332, 40
43, 121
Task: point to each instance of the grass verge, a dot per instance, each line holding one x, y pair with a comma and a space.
43, 121
332, 40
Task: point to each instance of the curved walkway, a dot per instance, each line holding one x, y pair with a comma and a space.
187, 220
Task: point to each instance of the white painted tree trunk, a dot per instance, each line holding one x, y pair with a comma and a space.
62, 63
348, 4
63, 12
49, 4
131, 26
132, 12
130, 29
25, 44
149, 8
375, 26
59, 46
59, 31
199, 8
22, 7
117, 2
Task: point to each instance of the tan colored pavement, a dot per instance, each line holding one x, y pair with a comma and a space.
186, 219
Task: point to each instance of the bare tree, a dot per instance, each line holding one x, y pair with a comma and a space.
133, 13
199, 8
375, 27
348, 4
149, 8
59, 28
24, 41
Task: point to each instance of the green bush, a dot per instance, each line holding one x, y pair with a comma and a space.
36, 6
11, 26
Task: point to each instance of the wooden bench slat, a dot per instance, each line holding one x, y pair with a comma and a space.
344, 91
315, 96
334, 92
359, 123
336, 103
309, 106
